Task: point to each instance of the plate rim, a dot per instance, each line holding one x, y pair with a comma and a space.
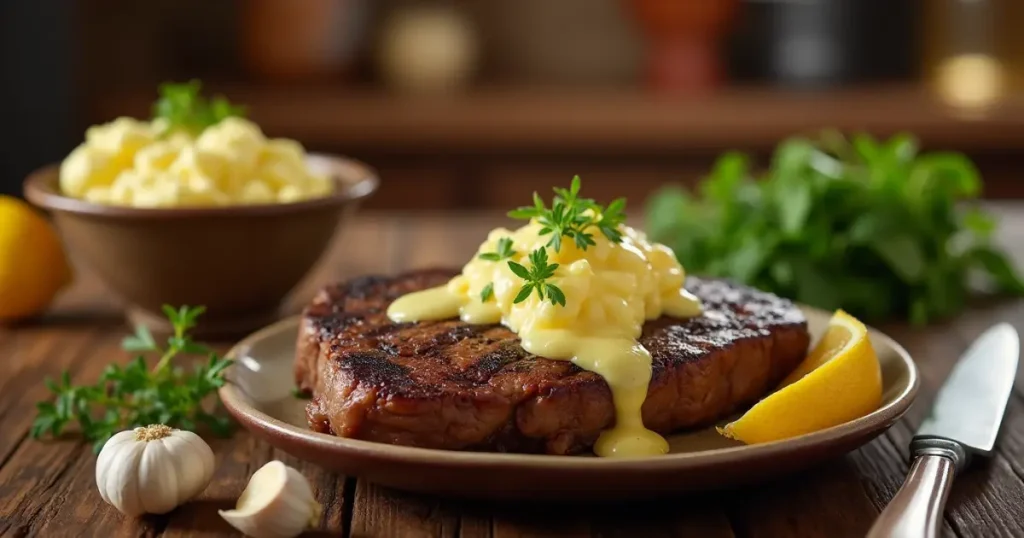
257, 422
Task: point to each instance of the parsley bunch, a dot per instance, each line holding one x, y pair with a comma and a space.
186, 109
133, 395
870, 226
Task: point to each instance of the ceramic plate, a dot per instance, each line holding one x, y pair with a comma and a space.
259, 396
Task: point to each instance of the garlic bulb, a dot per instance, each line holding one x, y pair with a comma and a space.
277, 503
152, 470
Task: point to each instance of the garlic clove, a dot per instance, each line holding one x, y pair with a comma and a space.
278, 502
116, 472
157, 471
194, 461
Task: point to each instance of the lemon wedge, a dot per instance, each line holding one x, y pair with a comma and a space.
840, 380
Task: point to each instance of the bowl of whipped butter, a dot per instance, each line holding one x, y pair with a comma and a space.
198, 206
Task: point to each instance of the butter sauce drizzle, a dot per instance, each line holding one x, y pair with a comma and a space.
610, 288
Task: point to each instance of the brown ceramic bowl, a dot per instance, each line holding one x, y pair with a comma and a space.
238, 261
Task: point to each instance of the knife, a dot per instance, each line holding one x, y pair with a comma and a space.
964, 421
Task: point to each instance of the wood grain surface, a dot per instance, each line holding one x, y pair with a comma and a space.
47, 487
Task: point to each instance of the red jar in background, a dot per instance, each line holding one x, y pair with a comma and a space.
301, 39
684, 40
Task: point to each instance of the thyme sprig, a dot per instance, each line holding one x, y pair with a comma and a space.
134, 395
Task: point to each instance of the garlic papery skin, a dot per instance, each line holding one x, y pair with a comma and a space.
277, 503
152, 470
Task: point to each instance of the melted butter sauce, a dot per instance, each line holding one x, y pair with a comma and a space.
611, 290
623, 363
428, 305
626, 366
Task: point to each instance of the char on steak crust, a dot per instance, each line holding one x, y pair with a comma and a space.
457, 386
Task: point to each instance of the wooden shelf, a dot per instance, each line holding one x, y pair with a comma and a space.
580, 121
491, 147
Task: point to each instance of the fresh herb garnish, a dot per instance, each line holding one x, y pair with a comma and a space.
571, 216
487, 292
133, 395
611, 217
184, 108
869, 226
536, 278
503, 251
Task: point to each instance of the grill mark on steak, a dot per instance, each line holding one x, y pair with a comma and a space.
375, 368
453, 385
492, 361
334, 323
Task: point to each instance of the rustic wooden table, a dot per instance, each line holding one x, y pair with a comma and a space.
47, 487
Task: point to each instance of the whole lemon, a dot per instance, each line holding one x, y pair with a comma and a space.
33, 266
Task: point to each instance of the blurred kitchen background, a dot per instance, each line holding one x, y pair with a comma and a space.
477, 103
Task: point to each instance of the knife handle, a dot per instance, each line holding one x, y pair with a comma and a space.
916, 509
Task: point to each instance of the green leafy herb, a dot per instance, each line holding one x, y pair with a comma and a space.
571, 216
870, 226
503, 252
536, 278
134, 395
611, 217
487, 292
184, 108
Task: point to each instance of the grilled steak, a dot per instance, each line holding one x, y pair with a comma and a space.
453, 385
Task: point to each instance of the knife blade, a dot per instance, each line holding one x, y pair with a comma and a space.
964, 421
970, 404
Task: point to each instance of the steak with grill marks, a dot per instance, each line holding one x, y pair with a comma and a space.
453, 385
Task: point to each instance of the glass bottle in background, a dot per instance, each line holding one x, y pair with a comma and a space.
812, 42
965, 58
